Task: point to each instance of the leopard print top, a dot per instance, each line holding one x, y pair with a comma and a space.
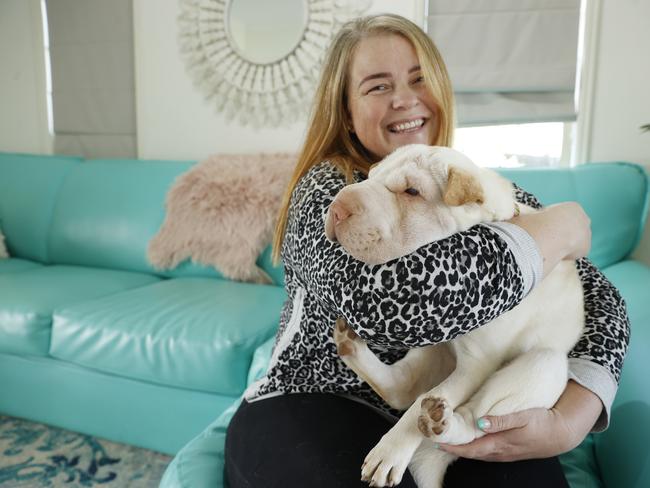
434, 294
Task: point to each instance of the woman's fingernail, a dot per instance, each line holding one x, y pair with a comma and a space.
436, 445
483, 423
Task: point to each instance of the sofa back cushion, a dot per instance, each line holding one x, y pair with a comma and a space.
107, 212
614, 195
29, 187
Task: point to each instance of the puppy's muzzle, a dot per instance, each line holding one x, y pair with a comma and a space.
336, 214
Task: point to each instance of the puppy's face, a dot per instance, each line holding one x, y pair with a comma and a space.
407, 201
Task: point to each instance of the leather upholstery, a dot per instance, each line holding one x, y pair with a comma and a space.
195, 333
29, 187
616, 216
29, 298
13, 265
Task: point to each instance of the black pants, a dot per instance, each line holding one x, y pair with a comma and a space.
320, 440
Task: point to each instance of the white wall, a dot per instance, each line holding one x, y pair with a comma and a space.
23, 112
621, 100
174, 121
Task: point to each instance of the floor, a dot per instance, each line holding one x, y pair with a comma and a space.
35, 455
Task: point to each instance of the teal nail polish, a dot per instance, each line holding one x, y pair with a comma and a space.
483, 423
436, 445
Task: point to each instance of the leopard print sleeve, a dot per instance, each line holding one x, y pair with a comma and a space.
434, 294
607, 327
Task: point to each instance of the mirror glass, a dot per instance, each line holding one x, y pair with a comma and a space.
253, 28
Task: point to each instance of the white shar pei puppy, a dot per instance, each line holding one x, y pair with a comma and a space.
416, 195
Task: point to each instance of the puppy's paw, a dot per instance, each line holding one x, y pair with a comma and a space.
385, 464
434, 416
347, 341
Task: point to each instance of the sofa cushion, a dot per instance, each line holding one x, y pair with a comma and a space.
15, 265
623, 450
108, 211
616, 216
28, 298
193, 333
29, 187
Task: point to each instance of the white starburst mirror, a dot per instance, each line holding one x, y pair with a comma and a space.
257, 61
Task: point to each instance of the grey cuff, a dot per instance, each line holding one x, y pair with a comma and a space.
598, 380
525, 250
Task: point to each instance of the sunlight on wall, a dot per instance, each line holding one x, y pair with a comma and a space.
512, 146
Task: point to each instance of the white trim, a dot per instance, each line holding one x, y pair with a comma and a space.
41, 75
568, 138
291, 328
139, 60
423, 8
585, 90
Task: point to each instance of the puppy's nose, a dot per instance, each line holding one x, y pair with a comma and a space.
339, 211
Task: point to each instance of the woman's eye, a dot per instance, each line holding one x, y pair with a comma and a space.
379, 88
419, 79
412, 191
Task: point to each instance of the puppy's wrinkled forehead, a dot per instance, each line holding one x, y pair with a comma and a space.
410, 162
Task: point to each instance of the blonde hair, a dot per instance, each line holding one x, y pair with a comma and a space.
328, 137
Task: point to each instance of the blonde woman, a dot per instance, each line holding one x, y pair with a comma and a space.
310, 421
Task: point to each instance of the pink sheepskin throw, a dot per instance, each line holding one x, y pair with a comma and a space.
222, 213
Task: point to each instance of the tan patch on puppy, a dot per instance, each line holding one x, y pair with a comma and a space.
462, 188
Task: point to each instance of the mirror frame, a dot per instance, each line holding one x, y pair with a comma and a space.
273, 94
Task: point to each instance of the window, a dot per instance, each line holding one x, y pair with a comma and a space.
511, 146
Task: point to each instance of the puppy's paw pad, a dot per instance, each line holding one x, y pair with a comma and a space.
434, 416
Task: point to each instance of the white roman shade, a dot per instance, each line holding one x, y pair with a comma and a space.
93, 88
510, 61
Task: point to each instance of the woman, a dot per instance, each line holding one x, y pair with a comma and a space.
310, 422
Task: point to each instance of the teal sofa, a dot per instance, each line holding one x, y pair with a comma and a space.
94, 340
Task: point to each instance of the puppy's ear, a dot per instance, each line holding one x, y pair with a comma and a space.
462, 188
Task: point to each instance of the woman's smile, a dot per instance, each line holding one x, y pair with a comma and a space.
407, 126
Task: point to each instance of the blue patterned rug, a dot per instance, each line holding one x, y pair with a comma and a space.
35, 455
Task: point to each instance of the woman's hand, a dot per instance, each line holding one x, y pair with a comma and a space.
561, 231
537, 432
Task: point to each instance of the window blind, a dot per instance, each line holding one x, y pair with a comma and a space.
510, 61
93, 88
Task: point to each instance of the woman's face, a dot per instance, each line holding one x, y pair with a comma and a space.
388, 102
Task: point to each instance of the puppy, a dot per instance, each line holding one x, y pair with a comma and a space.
417, 195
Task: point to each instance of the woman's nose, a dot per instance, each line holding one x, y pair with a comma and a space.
404, 99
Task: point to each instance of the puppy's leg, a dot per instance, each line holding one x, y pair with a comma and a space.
398, 384
386, 462
437, 406
534, 379
429, 465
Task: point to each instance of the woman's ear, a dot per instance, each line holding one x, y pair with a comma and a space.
462, 188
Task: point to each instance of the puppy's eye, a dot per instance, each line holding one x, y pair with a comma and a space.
412, 191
